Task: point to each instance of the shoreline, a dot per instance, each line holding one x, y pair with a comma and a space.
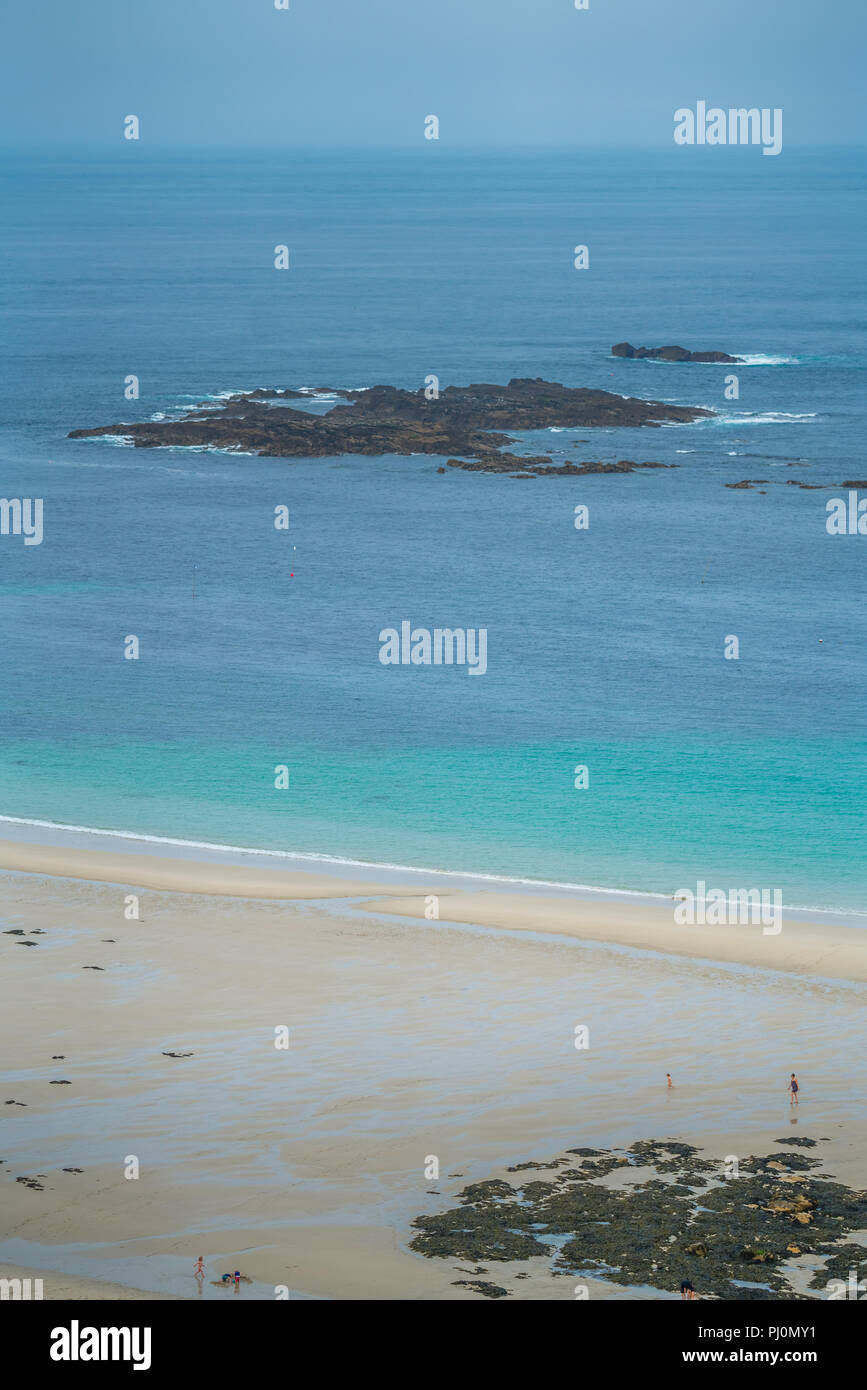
809, 948
313, 862
305, 1166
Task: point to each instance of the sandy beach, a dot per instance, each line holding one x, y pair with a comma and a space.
406, 1038
812, 948
60, 1287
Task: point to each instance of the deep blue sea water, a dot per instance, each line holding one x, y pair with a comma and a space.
605, 647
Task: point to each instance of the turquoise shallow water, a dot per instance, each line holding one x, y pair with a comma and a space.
604, 647
656, 817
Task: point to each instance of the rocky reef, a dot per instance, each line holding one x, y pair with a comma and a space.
679, 1217
749, 483
670, 354
465, 424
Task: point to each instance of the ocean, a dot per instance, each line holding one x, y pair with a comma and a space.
259, 648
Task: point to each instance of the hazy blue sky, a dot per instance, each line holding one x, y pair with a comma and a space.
366, 72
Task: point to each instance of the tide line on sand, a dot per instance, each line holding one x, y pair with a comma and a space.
814, 949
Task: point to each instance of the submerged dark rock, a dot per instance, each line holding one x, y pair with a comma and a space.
465, 424
670, 354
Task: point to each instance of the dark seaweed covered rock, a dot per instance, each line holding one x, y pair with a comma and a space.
465, 424
485, 1289
734, 1237
487, 1226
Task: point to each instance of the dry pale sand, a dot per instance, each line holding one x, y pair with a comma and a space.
807, 948
304, 1166
180, 875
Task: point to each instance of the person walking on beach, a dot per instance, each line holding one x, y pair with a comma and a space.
669, 1080
793, 1088
199, 1270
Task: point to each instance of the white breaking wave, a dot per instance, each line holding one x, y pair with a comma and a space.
761, 359
206, 449
327, 395
313, 858
746, 359
769, 417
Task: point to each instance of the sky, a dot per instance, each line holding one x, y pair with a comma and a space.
229, 74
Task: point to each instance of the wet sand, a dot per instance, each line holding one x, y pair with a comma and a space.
407, 1039
830, 949
58, 1286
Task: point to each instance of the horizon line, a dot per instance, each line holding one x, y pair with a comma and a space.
432, 147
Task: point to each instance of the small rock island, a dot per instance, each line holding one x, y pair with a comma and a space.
670, 354
465, 424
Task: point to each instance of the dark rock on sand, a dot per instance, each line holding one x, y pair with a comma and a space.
484, 1228
520, 1167
733, 1236
843, 1259
465, 424
487, 1290
670, 354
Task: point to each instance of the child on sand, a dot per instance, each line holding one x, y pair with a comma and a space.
199, 1270
793, 1087
669, 1080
